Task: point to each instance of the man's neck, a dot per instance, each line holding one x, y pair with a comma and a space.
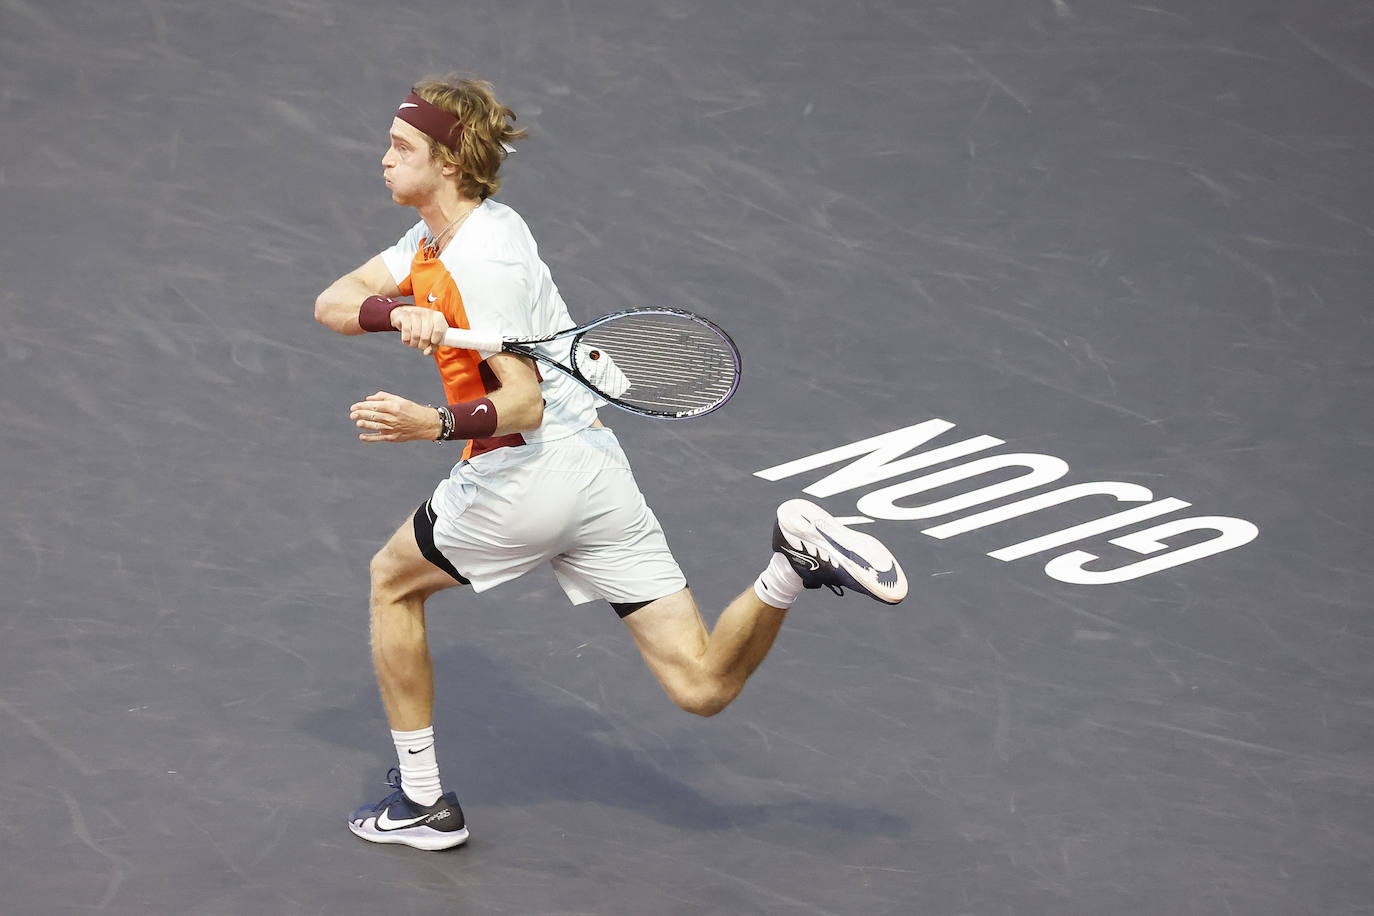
441, 214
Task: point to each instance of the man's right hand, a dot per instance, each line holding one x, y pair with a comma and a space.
420, 327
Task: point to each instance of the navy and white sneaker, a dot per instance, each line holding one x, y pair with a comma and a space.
826, 553
397, 819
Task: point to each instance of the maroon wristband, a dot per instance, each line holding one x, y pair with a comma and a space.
375, 313
473, 419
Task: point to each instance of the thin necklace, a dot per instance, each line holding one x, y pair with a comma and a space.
435, 242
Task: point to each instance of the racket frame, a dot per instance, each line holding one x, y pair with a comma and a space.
476, 340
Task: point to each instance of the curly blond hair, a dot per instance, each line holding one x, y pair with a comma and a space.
486, 126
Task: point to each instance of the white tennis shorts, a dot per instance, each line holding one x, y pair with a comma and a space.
571, 502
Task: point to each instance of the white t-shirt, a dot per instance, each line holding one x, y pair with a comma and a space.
490, 278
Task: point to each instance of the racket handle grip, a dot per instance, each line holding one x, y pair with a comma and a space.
473, 340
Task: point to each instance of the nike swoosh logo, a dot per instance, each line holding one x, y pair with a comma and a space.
846, 552
421, 750
384, 821
433, 298
407, 105
480, 408
811, 562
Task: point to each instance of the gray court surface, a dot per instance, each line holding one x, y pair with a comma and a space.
1134, 242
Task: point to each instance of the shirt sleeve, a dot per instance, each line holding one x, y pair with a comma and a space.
397, 258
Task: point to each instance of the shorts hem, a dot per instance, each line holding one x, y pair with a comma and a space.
423, 523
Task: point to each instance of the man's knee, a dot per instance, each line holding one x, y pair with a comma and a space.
704, 698
385, 572
397, 577
706, 707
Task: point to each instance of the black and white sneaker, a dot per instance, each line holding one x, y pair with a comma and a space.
826, 553
397, 819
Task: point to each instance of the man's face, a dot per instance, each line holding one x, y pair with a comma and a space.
410, 173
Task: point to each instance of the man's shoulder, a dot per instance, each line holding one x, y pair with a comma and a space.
496, 208
502, 220
501, 235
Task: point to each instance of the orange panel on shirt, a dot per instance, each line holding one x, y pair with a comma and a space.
433, 287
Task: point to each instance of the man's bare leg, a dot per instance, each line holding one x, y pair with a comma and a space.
402, 579
416, 813
704, 671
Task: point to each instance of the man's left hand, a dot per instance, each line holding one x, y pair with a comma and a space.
387, 417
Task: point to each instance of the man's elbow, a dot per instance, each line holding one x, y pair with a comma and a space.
322, 311
532, 416
525, 415
335, 317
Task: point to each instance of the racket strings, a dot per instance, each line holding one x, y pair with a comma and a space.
674, 364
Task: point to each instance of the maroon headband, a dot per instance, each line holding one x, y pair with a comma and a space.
431, 120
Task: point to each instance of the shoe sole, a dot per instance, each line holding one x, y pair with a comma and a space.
799, 515
439, 841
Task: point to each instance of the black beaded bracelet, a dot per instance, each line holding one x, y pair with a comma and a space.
446, 423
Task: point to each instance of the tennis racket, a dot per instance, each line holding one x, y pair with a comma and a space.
656, 362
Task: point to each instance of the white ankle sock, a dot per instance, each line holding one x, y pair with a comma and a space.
419, 766
778, 585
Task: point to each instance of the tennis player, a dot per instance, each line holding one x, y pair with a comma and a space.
540, 480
